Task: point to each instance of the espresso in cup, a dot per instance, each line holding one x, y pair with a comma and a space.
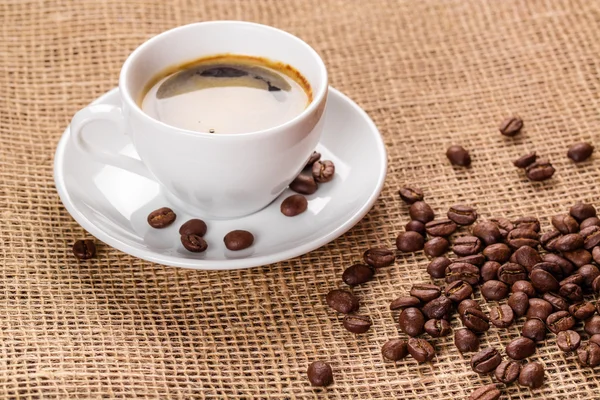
227, 93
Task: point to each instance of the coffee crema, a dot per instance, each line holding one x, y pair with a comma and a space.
226, 93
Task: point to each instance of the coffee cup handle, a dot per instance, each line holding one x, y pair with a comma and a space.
114, 114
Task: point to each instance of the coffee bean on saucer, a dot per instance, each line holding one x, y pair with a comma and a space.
489, 271
466, 304
488, 232
592, 325
238, 240
421, 211
416, 226
532, 375
342, 301
194, 243
520, 348
411, 321
467, 245
323, 171
534, 329
581, 211
494, 290
501, 316
441, 227
458, 156
84, 249
161, 218
425, 292
409, 242
497, 252
475, 320
458, 291
421, 350
508, 371
487, 392
519, 303
560, 321
511, 126
304, 183
437, 267
568, 340
395, 349
565, 224
436, 246
589, 354
580, 151
466, 341
357, 274
540, 170
193, 227
582, 310
539, 308
462, 214
411, 194
525, 160
486, 360
404, 302
592, 221
357, 323
379, 257
314, 157
294, 205
320, 374
523, 286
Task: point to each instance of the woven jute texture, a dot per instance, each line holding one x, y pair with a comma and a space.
429, 72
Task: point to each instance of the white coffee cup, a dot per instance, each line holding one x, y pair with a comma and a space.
220, 175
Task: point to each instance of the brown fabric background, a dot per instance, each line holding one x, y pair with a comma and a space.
429, 72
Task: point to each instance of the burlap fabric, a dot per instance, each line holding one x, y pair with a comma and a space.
430, 73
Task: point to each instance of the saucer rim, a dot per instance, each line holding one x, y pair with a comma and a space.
232, 264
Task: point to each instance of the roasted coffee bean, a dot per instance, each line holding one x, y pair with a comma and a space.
416, 226
458, 156
466, 304
440, 227
462, 272
558, 303
489, 271
570, 242
314, 157
540, 170
497, 252
357, 323
395, 349
437, 308
409, 242
571, 292
526, 256
437, 327
560, 321
486, 360
194, 243
581, 211
580, 151
304, 183
527, 223
294, 205
436, 246
548, 240
539, 308
595, 339
591, 237
565, 265
466, 341
509, 273
475, 320
323, 171
467, 245
511, 126
589, 354
519, 303
568, 340
582, 310
421, 211
494, 290
193, 227
595, 285
501, 316
534, 329
596, 254
592, 325
543, 281
411, 321
425, 292
487, 392
404, 302
551, 268
458, 291
320, 374
520, 237
238, 240
525, 160
520, 348
508, 371
84, 249
523, 286
578, 257
357, 274
565, 224
379, 257
342, 301
411, 194
532, 375
589, 273
462, 214
437, 267
421, 350
161, 218
592, 221
575, 279
475, 259
504, 225
488, 232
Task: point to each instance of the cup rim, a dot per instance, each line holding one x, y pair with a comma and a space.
318, 96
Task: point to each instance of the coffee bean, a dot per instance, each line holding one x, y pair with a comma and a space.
415, 226
489, 271
560, 321
487, 392
589, 354
486, 360
342, 301
520, 237
357, 323
304, 183
475, 320
411, 194
504, 225
193, 227
591, 237
437, 308
548, 240
323, 171
540, 170
161, 218
462, 272
582, 310
523, 286
501, 316
578, 257
580, 151
520, 348
488, 232
405, 302
565, 224
437, 327
238, 240
466, 304
557, 302
436, 246
475, 259
494, 290
511, 126
525, 160
294, 205
534, 329
527, 257
457, 291
421, 350
539, 308
508, 371
357, 274
532, 375
467, 245
519, 303
379, 257
565, 265
458, 156
425, 292
437, 267
462, 214
411, 321
194, 243
84, 249
409, 242
497, 252
581, 211
552, 268
395, 349
440, 227
509, 273
592, 221
592, 325
589, 272
595, 285
314, 157
320, 374
595, 339
568, 340
571, 292
543, 281
421, 211
466, 341
596, 254
531, 223
570, 242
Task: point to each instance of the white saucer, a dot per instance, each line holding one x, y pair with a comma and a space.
112, 204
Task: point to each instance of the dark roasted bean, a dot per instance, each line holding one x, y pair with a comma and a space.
511, 126
532, 375
560, 321
357, 274
421, 211
565, 224
548, 240
509, 273
488, 232
411, 194
589, 273
320, 374
487, 392
437, 327
527, 223
519, 302
436, 246
395, 349
415, 226
408, 242
84, 249
489, 271
520, 237
497, 252
539, 308
552, 268
462, 271
581, 211
458, 291
591, 237
238, 240
357, 323
411, 321
523, 286
578, 257
543, 281
558, 303
582, 310
437, 308
565, 265
379, 257
534, 329
592, 221
592, 325
589, 354
342, 301
570, 242
294, 205
520, 348
571, 292
323, 171
161, 218
466, 341
425, 292
314, 157
458, 156
437, 267
475, 320
194, 243
304, 183
440, 227
501, 316
526, 256
193, 227
494, 290
467, 245
525, 160
540, 170
486, 360
421, 350
404, 302
462, 215
568, 340
475, 259
508, 371
580, 151
466, 304
504, 225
